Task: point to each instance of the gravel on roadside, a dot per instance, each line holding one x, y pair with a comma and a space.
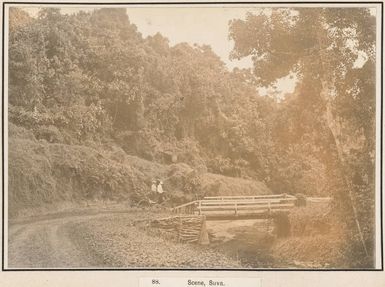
116, 242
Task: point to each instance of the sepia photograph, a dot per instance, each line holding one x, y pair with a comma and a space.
197, 136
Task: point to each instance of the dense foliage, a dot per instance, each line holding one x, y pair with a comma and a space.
332, 52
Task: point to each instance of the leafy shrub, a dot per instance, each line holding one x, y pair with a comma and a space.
49, 133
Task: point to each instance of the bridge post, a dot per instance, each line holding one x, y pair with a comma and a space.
179, 227
203, 235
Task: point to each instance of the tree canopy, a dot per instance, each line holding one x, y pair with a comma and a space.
332, 53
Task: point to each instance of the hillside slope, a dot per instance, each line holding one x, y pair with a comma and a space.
42, 173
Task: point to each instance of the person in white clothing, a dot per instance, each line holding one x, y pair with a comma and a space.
153, 186
153, 195
160, 191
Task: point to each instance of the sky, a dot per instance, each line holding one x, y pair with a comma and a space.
192, 25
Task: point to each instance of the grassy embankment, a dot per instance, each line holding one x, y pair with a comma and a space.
46, 176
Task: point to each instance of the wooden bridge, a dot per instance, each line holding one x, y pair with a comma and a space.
238, 206
189, 222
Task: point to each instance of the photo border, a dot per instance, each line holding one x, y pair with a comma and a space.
158, 3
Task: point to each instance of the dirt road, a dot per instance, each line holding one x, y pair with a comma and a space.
105, 239
46, 243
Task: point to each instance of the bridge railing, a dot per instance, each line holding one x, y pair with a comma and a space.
318, 199
235, 205
187, 208
245, 204
238, 204
248, 197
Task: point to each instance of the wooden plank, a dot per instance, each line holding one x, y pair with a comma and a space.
250, 200
245, 196
245, 211
232, 202
272, 207
318, 199
249, 196
249, 207
231, 212
248, 203
242, 213
186, 204
175, 217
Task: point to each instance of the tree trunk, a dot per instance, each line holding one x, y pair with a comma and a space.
336, 132
334, 127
